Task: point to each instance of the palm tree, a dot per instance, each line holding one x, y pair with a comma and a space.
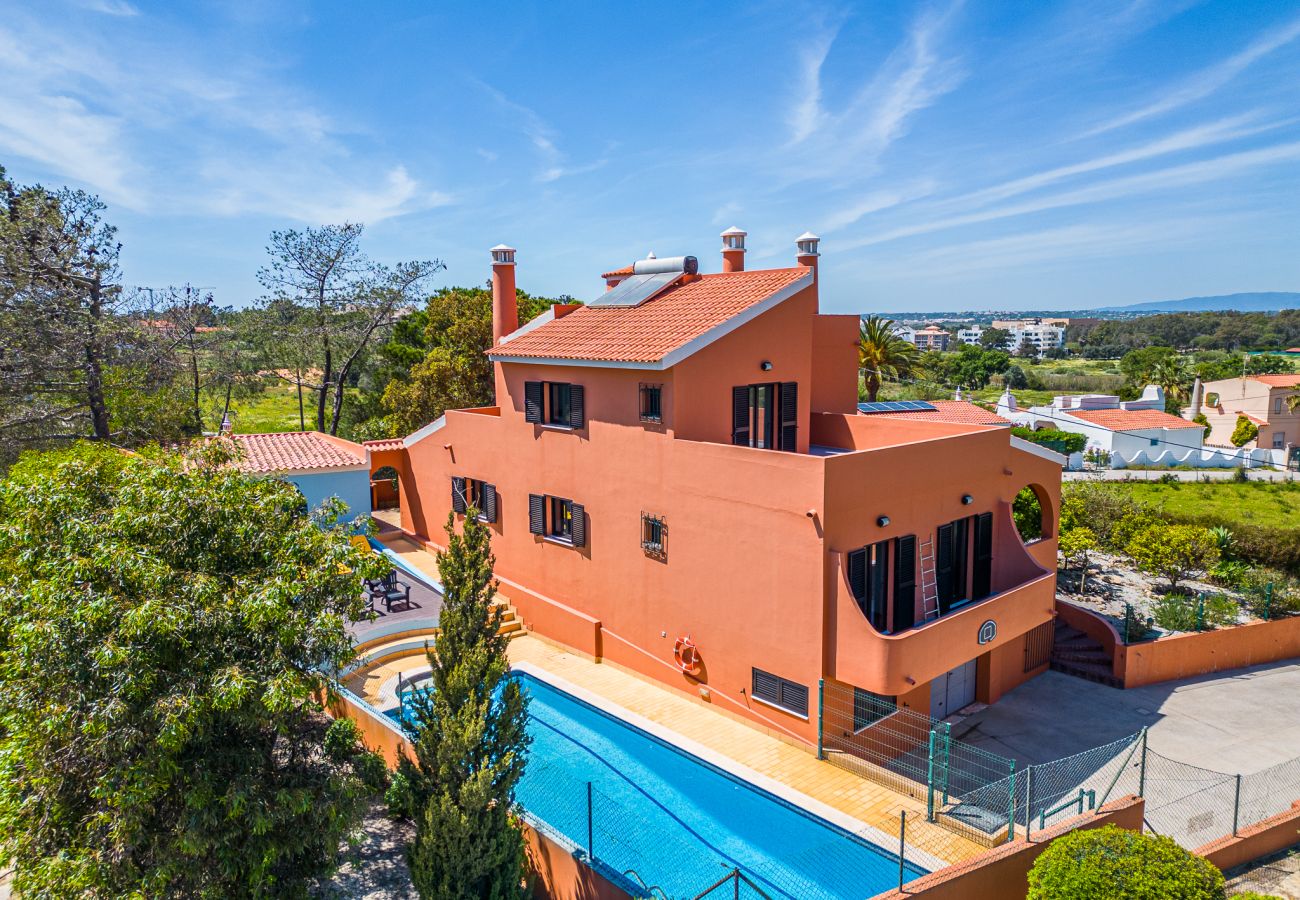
1171, 375
883, 354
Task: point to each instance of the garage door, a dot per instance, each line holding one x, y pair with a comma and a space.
952, 690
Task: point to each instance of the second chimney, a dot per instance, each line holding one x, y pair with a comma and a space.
806, 253
505, 307
733, 250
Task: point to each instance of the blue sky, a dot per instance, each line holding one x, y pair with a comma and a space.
978, 155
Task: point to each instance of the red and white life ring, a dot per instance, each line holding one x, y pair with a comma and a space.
687, 655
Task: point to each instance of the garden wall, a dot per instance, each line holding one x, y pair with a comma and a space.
559, 875
1269, 836
1187, 655
1003, 872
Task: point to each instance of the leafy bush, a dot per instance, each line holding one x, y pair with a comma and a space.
1179, 612
1110, 863
1061, 441
1028, 515
1239, 474
1230, 573
1201, 420
1245, 432
1173, 552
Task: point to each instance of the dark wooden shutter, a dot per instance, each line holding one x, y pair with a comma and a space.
489, 495
766, 686
578, 530
740, 416
943, 562
577, 409
982, 575
537, 514
534, 392
904, 582
858, 573
789, 415
457, 493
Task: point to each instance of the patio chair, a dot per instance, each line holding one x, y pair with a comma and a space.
395, 591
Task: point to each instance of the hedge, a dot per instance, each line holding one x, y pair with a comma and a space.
1066, 442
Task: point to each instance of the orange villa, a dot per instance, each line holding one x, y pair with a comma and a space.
680, 481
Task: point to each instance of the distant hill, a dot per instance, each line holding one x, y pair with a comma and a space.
1264, 301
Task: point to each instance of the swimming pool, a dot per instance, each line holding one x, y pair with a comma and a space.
679, 822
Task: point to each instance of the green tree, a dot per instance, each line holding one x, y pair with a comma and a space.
882, 354
1245, 432
995, 338
1173, 552
163, 640
1027, 349
1110, 863
455, 372
470, 742
972, 367
1075, 545
1201, 419
1027, 512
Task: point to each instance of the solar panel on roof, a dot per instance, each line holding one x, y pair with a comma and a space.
893, 406
636, 289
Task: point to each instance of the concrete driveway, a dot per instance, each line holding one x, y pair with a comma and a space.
1236, 722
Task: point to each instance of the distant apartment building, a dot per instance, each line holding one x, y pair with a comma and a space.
931, 337
1042, 334
679, 479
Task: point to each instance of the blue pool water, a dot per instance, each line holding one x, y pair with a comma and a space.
676, 820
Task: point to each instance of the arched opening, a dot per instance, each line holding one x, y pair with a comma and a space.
1033, 514
383, 489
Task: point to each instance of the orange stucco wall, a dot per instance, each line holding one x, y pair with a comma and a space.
559, 875
1269, 836
377, 736
835, 364
1003, 872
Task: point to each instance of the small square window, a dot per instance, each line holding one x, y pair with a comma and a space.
1279, 440
652, 403
1155, 442
1277, 406
654, 535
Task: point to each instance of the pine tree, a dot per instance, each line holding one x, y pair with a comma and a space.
470, 741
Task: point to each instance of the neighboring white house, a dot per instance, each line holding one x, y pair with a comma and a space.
1132, 432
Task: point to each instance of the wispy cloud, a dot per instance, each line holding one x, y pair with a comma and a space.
110, 7
543, 138
1208, 80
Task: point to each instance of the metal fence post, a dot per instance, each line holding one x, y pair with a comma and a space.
947, 760
821, 706
1268, 600
1236, 806
1128, 617
1200, 611
1142, 771
591, 850
902, 846
1011, 805
929, 782
1029, 802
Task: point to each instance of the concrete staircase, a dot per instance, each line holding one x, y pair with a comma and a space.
1074, 653
511, 625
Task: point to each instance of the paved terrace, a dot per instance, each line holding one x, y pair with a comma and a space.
866, 801
420, 613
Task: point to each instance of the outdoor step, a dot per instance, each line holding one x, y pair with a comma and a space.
1089, 657
510, 627
1099, 673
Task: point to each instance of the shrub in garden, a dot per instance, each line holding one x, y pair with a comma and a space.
1110, 863
1027, 512
1074, 546
1245, 432
1180, 612
1173, 552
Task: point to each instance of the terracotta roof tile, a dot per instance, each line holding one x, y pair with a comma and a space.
649, 332
386, 444
1277, 380
297, 450
617, 273
1130, 419
961, 412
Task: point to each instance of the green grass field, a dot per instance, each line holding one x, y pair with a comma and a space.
275, 409
1271, 504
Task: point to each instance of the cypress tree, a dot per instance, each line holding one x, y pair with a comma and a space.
469, 737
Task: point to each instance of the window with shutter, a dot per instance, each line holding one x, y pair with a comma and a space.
858, 574
458, 494
578, 525
652, 402
740, 415
534, 394
904, 582
878, 586
982, 572
537, 513
789, 416
788, 695
559, 400
943, 562
489, 499
577, 406
766, 686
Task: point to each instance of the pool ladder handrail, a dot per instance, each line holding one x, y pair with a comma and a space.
648, 888
737, 876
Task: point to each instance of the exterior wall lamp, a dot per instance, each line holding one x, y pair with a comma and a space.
765, 365
882, 521
967, 499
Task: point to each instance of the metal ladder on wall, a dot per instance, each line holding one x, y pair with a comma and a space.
929, 583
